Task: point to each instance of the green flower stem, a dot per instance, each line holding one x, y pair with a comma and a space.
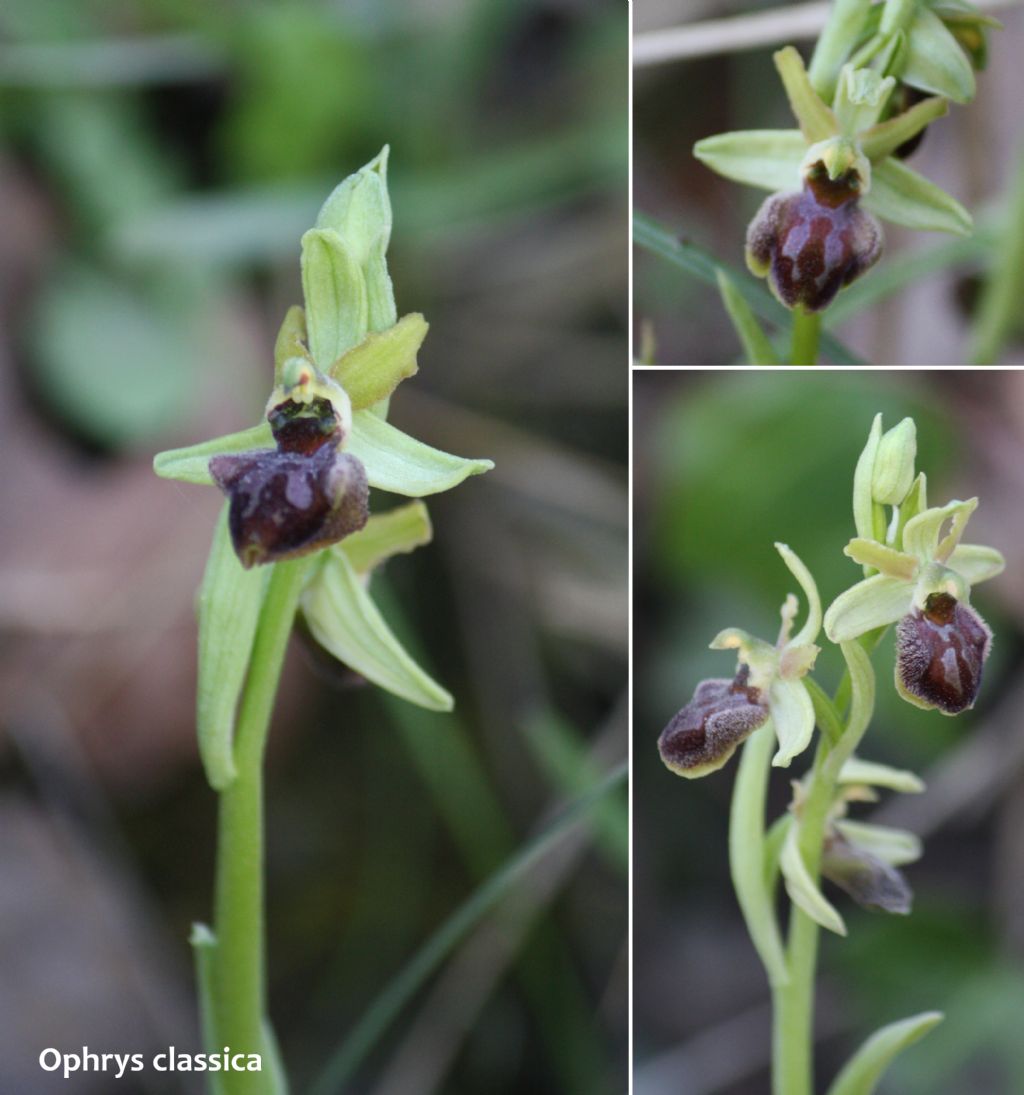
793, 1002
806, 336
239, 989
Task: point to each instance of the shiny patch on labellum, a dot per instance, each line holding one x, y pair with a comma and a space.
813, 243
940, 652
708, 730
870, 881
298, 498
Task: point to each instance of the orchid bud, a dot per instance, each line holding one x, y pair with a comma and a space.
893, 471
707, 731
811, 244
940, 651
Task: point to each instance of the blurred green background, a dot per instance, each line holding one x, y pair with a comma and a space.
158, 163
726, 464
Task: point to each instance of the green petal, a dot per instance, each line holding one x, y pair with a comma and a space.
191, 464
882, 140
886, 560
793, 718
976, 563
372, 370
230, 599
921, 536
809, 632
893, 846
934, 60
291, 339
862, 1072
871, 774
801, 887
345, 622
396, 462
766, 158
396, 532
860, 99
901, 195
874, 602
816, 120
335, 292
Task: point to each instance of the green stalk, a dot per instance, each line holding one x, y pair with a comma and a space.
806, 335
793, 1002
238, 980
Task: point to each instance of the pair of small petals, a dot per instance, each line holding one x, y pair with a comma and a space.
809, 247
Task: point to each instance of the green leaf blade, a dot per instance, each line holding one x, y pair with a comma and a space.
862, 1072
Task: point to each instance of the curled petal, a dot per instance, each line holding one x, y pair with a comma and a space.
921, 536
809, 632
793, 718
875, 602
940, 651
886, 560
707, 731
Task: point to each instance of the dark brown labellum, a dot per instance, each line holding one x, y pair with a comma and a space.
871, 882
811, 244
940, 652
707, 731
285, 504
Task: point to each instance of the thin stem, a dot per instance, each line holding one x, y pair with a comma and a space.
806, 336
239, 989
793, 1003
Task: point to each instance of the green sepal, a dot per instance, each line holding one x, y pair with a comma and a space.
862, 1072
192, 463
396, 532
976, 563
899, 194
396, 462
756, 345
897, 847
860, 98
872, 774
934, 60
228, 608
883, 139
359, 210
347, 624
846, 22
815, 117
371, 371
802, 890
875, 602
335, 292
291, 339
766, 158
